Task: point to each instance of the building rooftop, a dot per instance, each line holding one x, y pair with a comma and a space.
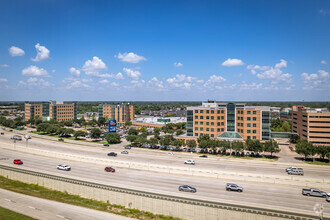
159, 120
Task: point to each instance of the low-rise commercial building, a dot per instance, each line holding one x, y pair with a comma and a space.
156, 122
213, 119
312, 125
56, 110
121, 113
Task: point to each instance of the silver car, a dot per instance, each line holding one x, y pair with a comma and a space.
233, 187
63, 167
187, 188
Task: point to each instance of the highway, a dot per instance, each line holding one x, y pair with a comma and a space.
259, 194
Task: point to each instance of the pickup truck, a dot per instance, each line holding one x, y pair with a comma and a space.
314, 192
16, 137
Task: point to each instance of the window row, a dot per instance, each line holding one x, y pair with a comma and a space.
248, 131
201, 134
210, 111
248, 125
209, 117
210, 123
209, 129
248, 112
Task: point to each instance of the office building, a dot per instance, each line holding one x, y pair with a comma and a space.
312, 125
213, 119
56, 110
121, 113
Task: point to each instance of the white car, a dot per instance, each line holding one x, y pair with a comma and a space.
63, 167
170, 153
192, 162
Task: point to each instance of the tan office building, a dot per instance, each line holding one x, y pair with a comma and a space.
213, 119
312, 125
59, 111
120, 113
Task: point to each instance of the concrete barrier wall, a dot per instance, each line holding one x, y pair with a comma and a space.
152, 202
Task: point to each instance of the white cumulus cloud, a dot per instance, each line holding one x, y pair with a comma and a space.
34, 71
4, 65
130, 57
155, 83
232, 62
94, 66
133, 74
16, 51
282, 64
42, 53
74, 72
104, 81
177, 64
214, 80
323, 62
3, 80
315, 79
35, 82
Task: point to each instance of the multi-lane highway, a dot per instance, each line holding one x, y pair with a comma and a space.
278, 196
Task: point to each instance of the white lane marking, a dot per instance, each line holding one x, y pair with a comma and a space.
9, 200
31, 207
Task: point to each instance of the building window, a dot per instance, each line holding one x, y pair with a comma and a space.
254, 125
196, 134
207, 129
207, 117
222, 123
212, 135
196, 122
202, 111
249, 131
222, 129
207, 123
249, 118
218, 111
201, 129
207, 111
254, 118
212, 117
212, 123
222, 111
212, 112
239, 130
201, 123
249, 112
249, 125
254, 131
254, 112
242, 130
196, 129
196, 117
202, 117
222, 117
248, 137
196, 111
218, 117
254, 138
212, 129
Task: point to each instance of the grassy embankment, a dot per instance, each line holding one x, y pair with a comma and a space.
45, 193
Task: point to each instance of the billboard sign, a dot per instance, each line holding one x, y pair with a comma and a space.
112, 126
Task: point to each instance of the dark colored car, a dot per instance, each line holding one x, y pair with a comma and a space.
2, 133
106, 145
112, 154
233, 187
18, 161
187, 188
61, 139
203, 156
110, 169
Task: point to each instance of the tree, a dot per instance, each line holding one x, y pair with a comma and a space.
157, 131
128, 123
95, 133
203, 137
178, 143
203, 144
294, 138
143, 130
52, 128
140, 140
271, 146
179, 132
79, 133
131, 138
249, 145
101, 121
305, 148
322, 151
42, 127
92, 122
191, 144
112, 138
238, 146
133, 131
68, 123
153, 141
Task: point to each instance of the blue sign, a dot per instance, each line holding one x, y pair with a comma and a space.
112, 126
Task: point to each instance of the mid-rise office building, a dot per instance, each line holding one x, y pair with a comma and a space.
59, 111
312, 125
213, 119
121, 113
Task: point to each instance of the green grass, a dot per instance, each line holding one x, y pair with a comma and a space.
318, 163
6, 214
64, 197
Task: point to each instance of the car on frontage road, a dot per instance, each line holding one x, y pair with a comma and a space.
112, 154
191, 162
128, 147
18, 161
124, 152
314, 192
327, 198
63, 167
297, 171
110, 169
187, 188
233, 187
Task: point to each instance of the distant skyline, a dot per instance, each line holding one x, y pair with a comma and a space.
165, 50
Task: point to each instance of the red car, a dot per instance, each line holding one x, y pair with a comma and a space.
18, 161
109, 169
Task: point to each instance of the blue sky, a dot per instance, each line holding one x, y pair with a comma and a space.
165, 50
